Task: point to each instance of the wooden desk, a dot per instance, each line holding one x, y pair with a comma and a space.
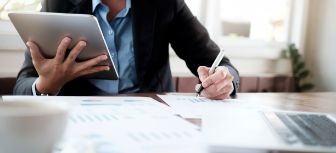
310, 102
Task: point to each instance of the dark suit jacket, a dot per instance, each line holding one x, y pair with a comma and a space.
156, 24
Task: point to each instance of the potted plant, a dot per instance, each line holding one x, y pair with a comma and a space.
299, 70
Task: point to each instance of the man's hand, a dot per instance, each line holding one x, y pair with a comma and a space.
55, 73
217, 85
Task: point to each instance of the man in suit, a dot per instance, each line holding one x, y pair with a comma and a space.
138, 34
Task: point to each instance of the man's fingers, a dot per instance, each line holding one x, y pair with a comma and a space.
203, 73
35, 52
224, 83
93, 70
222, 96
213, 92
61, 50
91, 63
219, 75
219, 87
75, 52
227, 92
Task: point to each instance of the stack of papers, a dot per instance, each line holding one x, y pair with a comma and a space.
136, 124
124, 125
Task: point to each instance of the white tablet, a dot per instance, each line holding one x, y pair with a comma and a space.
48, 29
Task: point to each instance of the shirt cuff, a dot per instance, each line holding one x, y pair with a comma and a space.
34, 88
235, 81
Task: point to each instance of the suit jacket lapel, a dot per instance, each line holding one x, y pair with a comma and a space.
144, 15
76, 2
82, 6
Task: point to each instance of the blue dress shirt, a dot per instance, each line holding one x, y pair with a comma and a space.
118, 35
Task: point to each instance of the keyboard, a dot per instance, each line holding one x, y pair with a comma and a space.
310, 129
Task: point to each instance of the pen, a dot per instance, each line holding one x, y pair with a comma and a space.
215, 64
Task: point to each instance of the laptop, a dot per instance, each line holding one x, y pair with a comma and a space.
48, 29
259, 131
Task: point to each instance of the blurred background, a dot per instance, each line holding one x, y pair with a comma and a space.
277, 45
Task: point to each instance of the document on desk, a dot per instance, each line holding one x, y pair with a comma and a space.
84, 100
132, 126
169, 135
123, 125
197, 107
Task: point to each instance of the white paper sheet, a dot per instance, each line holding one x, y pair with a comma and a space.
123, 125
171, 135
85, 100
197, 107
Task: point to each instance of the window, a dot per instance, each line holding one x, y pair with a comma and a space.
18, 5
250, 19
8, 36
248, 28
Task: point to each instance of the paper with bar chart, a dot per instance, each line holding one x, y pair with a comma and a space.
123, 125
198, 107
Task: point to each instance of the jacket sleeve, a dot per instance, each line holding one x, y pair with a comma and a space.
192, 43
26, 77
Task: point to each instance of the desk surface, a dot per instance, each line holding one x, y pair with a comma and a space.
311, 102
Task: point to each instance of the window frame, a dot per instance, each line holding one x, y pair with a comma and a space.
246, 48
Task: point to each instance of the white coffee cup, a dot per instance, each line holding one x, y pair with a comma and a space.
31, 127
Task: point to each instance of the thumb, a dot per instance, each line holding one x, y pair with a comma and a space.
203, 73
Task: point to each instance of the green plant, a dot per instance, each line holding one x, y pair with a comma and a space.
300, 73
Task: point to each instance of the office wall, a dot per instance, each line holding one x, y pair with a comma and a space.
11, 50
321, 44
10, 63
